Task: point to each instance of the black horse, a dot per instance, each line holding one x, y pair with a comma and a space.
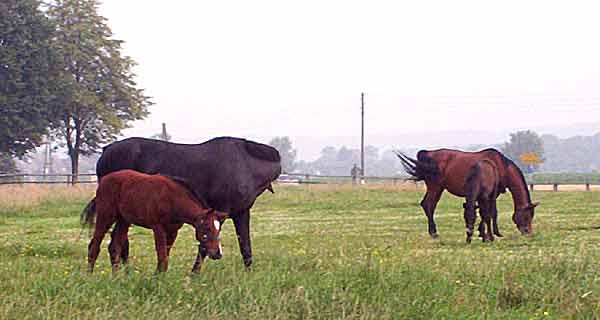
229, 173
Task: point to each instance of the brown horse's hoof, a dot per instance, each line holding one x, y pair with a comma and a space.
248, 263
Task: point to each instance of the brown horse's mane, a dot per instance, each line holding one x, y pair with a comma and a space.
508, 162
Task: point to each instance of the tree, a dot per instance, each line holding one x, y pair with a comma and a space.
524, 145
100, 97
28, 72
287, 152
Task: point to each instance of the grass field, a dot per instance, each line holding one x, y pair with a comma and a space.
319, 253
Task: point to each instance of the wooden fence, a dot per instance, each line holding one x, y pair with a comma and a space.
28, 178
301, 178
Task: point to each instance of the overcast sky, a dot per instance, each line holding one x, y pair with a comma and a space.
296, 68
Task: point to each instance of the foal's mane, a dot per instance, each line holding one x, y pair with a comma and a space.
195, 195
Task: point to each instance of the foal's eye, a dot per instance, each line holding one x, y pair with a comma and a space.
204, 236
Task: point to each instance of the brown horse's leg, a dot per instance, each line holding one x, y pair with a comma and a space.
429, 202
242, 228
94, 246
118, 235
160, 242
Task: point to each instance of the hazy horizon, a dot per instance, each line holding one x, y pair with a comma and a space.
277, 68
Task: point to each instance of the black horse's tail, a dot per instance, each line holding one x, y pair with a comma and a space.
422, 168
88, 215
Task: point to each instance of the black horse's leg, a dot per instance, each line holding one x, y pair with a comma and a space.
241, 222
429, 202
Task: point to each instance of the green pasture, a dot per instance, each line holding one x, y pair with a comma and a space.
319, 253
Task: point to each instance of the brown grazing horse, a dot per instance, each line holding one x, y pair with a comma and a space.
482, 187
155, 202
447, 169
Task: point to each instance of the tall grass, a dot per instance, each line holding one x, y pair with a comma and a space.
320, 253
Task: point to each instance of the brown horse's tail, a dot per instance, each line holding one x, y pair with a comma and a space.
88, 215
422, 168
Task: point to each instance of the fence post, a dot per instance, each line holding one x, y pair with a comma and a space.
531, 187
555, 187
587, 186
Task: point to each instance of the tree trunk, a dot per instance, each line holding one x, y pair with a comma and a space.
74, 166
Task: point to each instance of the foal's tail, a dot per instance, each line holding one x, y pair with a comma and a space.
422, 168
88, 215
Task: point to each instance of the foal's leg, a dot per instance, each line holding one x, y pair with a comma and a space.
160, 242
118, 236
94, 246
171, 236
470, 217
429, 202
494, 213
486, 216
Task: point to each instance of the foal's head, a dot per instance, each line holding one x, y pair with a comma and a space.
207, 233
523, 217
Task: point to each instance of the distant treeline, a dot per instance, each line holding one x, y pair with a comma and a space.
575, 154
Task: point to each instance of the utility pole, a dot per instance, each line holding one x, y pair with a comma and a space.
362, 137
164, 132
47, 169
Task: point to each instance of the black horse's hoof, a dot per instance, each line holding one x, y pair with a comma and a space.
498, 234
434, 235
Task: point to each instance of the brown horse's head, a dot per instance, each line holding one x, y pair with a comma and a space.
207, 233
523, 217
